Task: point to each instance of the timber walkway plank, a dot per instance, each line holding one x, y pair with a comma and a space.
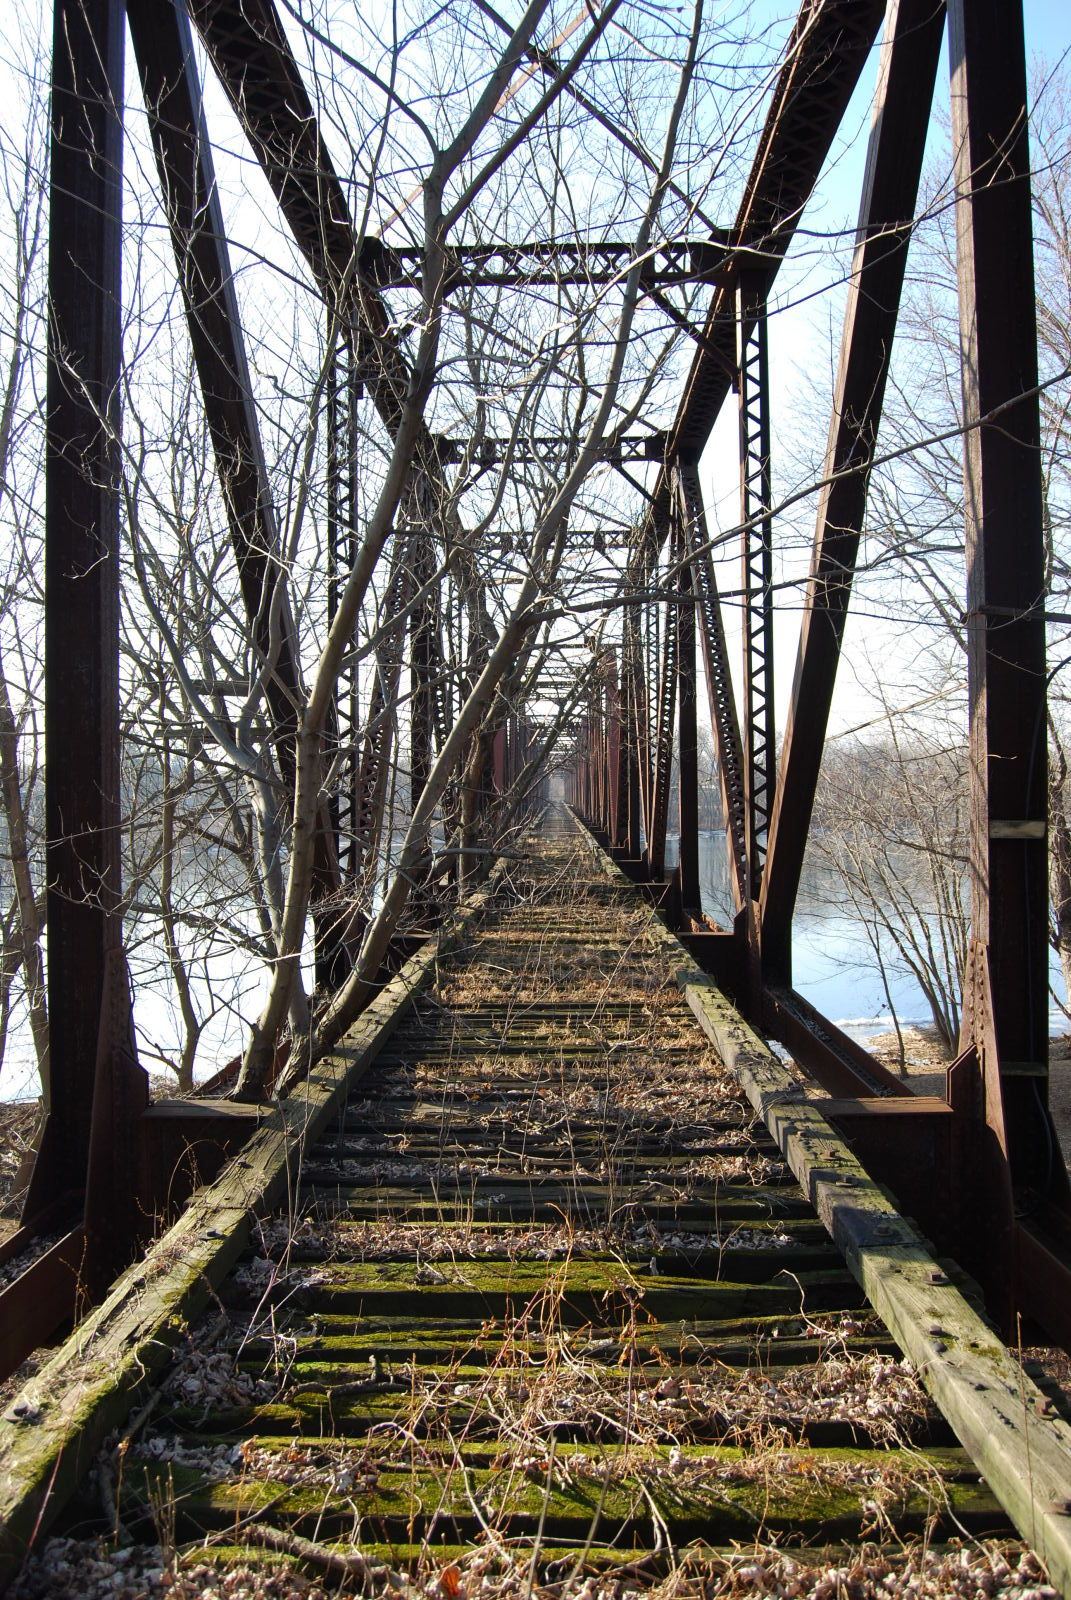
545, 1293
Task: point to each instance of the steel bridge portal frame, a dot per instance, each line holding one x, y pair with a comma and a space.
981, 1167
988, 1141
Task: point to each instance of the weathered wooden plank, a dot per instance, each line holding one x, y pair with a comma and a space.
810, 1493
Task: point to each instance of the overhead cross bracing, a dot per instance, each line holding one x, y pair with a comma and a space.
382, 488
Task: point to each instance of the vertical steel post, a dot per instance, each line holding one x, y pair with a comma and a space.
617, 755
354, 396
648, 707
1005, 568
910, 53
724, 725
343, 393
82, 507
601, 752
633, 734
756, 542
422, 625
687, 738
666, 702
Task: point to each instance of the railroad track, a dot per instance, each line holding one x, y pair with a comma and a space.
545, 1299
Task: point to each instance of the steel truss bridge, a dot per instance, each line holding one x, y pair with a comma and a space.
979, 1168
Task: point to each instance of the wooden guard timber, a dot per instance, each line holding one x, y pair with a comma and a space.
541, 1259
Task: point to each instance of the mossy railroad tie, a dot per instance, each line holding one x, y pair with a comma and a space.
548, 1280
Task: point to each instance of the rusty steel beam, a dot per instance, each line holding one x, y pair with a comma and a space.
427, 673
82, 518
897, 141
341, 538
1006, 571
635, 736
250, 52
163, 50
647, 696
664, 722
251, 55
826, 53
724, 724
380, 730
617, 757
831, 1056
42, 1299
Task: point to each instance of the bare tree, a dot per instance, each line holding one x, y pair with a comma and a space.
24, 216
440, 378
894, 840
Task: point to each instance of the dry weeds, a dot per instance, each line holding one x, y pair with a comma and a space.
68, 1569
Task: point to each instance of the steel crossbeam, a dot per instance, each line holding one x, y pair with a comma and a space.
547, 263
491, 452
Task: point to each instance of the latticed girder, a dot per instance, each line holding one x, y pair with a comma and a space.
549, 263
725, 727
756, 538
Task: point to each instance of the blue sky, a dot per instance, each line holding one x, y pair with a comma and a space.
1048, 26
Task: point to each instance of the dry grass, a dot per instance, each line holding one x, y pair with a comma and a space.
70, 1569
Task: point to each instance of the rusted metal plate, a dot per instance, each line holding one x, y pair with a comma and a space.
839, 1064
41, 1300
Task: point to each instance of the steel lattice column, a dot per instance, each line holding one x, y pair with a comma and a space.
634, 735
664, 720
687, 724
343, 395
724, 725
757, 562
